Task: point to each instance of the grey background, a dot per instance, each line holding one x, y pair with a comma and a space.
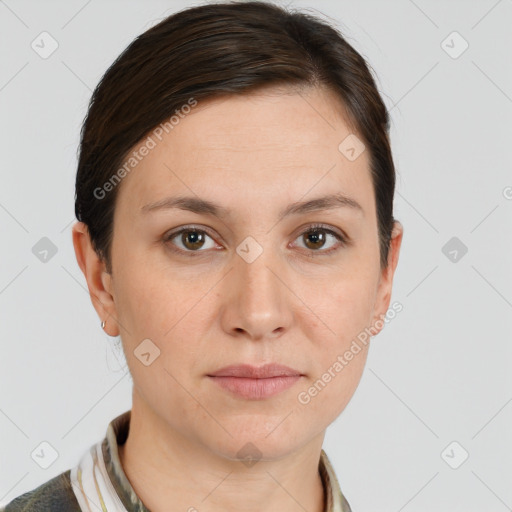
438, 373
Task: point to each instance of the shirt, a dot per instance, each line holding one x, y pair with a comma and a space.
99, 483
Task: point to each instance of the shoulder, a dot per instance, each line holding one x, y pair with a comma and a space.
55, 495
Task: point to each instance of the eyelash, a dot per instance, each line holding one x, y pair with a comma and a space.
310, 252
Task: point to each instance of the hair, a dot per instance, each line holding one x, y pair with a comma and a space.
216, 50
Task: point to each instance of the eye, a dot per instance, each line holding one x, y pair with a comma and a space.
191, 239
316, 238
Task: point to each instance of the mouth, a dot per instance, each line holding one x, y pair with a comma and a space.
256, 382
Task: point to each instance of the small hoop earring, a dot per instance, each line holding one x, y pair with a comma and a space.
103, 324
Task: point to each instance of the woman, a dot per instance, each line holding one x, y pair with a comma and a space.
235, 203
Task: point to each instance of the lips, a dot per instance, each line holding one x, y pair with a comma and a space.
256, 372
255, 382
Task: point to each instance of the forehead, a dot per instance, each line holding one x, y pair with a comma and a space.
264, 144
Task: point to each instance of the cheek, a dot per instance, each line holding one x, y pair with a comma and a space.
148, 303
329, 392
339, 330
169, 312
340, 309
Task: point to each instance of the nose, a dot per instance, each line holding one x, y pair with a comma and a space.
257, 304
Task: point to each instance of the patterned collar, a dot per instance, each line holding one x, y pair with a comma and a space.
100, 483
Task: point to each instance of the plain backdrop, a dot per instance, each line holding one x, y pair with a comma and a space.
429, 426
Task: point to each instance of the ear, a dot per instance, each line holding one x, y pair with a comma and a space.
386, 278
99, 281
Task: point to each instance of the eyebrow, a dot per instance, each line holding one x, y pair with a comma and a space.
203, 206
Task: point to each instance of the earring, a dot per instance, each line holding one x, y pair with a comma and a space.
103, 324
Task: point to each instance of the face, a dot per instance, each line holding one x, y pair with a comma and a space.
252, 282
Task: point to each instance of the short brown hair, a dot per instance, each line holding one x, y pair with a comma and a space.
213, 50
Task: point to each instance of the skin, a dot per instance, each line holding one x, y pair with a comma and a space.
254, 154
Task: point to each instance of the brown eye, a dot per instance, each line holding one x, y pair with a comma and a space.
316, 238
190, 240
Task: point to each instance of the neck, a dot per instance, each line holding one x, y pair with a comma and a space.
165, 467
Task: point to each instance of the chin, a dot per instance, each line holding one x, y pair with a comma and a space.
258, 442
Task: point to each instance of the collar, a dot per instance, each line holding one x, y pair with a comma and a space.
101, 483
